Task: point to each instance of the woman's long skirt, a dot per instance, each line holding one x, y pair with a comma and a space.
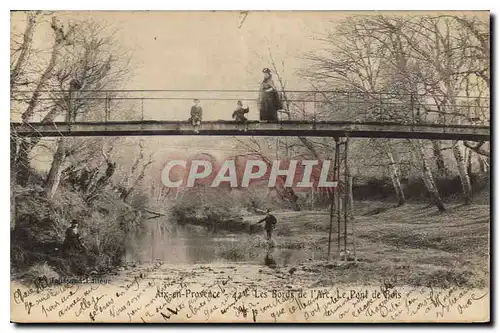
269, 106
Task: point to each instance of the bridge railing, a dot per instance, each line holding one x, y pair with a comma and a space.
136, 105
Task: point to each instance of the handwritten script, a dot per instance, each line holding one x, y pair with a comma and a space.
149, 297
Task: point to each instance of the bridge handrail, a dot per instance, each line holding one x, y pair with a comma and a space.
348, 105
252, 91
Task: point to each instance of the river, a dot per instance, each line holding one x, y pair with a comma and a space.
176, 244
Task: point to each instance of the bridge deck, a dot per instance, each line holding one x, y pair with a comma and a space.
256, 128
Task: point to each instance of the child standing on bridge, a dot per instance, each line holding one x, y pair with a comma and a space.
239, 114
196, 115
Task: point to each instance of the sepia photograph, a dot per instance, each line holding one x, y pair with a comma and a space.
250, 166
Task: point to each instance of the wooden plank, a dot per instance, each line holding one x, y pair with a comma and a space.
285, 128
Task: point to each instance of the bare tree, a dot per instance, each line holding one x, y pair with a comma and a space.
88, 169
438, 49
384, 147
19, 70
54, 176
130, 179
426, 173
423, 63
442, 45
291, 108
84, 61
353, 61
254, 149
20, 52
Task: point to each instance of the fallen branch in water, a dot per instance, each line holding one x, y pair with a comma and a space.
156, 214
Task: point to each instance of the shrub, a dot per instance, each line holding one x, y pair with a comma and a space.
39, 271
241, 250
40, 228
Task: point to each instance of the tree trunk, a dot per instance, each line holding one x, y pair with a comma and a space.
13, 177
426, 175
309, 145
431, 186
58, 42
438, 155
482, 164
54, 176
16, 71
396, 183
21, 162
286, 193
469, 162
462, 171
25, 147
12, 202
292, 198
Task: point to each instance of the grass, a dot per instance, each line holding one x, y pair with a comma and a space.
243, 250
39, 271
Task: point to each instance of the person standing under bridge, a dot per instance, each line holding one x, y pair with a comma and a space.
269, 99
269, 225
196, 115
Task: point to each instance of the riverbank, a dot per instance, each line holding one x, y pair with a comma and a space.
415, 244
414, 264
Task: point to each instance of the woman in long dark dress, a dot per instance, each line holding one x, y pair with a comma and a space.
269, 100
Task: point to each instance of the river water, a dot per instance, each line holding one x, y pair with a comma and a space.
175, 244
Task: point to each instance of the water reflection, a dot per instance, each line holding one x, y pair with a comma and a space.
269, 260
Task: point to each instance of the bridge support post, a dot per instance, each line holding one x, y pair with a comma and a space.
341, 205
346, 198
348, 206
333, 196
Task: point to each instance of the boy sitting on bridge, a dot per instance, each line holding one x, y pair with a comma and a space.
196, 115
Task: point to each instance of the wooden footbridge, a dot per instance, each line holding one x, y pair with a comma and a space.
256, 128
310, 113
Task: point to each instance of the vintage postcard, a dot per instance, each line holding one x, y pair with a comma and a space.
250, 166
